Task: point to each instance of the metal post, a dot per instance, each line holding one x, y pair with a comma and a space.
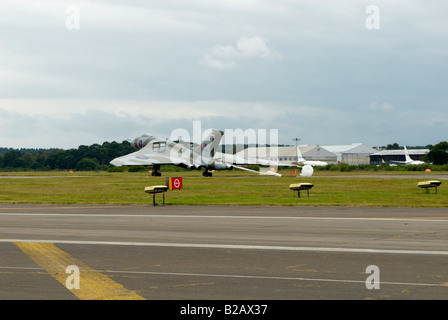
297, 154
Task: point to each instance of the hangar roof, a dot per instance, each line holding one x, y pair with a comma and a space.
308, 152
350, 148
401, 152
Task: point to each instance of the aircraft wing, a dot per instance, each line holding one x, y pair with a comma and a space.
238, 162
231, 159
397, 162
144, 157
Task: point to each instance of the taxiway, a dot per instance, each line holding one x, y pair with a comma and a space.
228, 252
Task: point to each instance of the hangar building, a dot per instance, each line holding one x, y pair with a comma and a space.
289, 153
354, 154
396, 155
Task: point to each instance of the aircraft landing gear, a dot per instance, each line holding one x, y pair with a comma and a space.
206, 173
155, 171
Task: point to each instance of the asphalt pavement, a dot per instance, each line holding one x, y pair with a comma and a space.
224, 252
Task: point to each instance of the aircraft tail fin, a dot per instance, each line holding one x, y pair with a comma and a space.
300, 158
209, 145
406, 153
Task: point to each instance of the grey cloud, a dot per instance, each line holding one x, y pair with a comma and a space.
227, 56
369, 85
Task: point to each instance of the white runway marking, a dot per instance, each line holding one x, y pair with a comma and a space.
438, 219
231, 246
236, 276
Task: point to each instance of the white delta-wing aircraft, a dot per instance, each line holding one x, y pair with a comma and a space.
155, 152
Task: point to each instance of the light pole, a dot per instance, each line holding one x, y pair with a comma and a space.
297, 155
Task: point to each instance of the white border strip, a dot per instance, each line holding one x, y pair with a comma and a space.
236, 276
92, 215
230, 246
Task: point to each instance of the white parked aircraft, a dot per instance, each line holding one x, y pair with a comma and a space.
390, 164
409, 161
155, 152
313, 163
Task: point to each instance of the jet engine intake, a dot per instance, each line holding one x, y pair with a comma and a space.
142, 141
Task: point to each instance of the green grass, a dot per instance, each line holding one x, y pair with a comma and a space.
224, 188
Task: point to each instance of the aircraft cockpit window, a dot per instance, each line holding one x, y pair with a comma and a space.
159, 146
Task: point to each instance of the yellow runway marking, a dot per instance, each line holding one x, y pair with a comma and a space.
93, 285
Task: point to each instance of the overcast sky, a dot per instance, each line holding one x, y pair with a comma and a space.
329, 72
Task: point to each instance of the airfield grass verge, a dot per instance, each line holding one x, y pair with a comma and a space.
224, 188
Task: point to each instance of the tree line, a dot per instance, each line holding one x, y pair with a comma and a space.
83, 158
438, 154
98, 157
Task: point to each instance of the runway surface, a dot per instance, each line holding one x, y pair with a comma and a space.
219, 252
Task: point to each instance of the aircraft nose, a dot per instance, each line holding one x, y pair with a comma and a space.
116, 163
